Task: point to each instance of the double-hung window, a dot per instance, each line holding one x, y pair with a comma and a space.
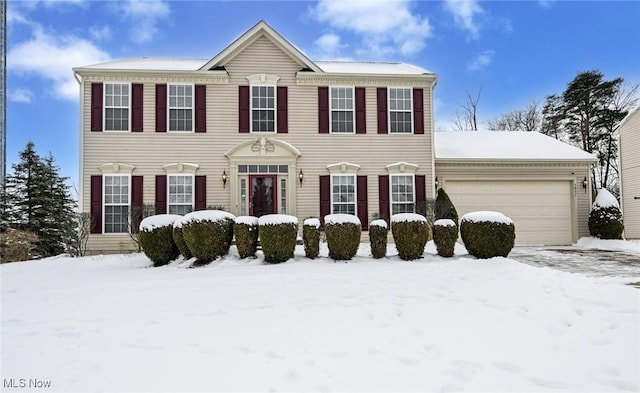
180, 194
263, 108
116, 203
343, 194
116, 106
400, 110
402, 194
342, 109
181, 108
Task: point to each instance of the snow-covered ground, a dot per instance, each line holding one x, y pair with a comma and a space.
109, 323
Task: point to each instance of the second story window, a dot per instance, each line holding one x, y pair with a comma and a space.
400, 110
341, 109
116, 107
263, 109
181, 108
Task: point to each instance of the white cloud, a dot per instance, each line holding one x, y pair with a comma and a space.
463, 12
145, 15
329, 47
546, 3
51, 57
481, 61
385, 26
100, 33
20, 95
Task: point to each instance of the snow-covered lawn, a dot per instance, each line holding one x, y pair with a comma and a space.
108, 323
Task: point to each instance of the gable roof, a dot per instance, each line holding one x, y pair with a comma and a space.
261, 29
631, 113
504, 146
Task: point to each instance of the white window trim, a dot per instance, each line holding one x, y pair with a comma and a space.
193, 108
104, 106
389, 110
355, 190
391, 203
104, 203
353, 110
193, 190
275, 108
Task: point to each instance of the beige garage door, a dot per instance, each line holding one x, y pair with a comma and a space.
540, 210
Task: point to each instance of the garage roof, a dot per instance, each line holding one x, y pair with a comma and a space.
505, 146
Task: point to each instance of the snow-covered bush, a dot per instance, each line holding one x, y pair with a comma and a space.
156, 238
246, 232
445, 234
178, 238
343, 233
444, 208
605, 218
411, 234
378, 232
208, 233
311, 237
487, 234
278, 234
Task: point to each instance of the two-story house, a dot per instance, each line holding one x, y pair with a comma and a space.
260, 128
257, 129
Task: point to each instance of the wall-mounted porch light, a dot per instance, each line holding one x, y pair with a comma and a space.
224, 178
437, 183
301, 177
585, 184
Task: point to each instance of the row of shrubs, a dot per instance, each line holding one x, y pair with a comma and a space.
207, 235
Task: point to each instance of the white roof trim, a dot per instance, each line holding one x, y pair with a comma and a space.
628, 116
259, 30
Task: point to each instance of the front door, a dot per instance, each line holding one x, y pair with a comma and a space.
262, 197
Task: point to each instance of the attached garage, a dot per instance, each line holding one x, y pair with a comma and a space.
534, 179
541, 210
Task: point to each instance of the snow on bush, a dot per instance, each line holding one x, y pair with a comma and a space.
444, 222
411, 234
208, 233
247, 220
445, 234
156, 238
178, 238
278, 233
312, 222
208, 215
311, 237
378, 234
245, 231
605, 218
487, 234
378, 223
343, 233
407, 217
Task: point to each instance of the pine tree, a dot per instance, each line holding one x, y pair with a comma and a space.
37, 200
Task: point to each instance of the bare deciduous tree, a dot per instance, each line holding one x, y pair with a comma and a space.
466, 118
527, 119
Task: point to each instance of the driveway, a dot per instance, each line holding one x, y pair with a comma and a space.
590, 262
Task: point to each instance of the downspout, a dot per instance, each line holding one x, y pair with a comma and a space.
433, 150
81, 143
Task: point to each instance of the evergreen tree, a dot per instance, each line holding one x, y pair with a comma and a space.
444, 208
37, 200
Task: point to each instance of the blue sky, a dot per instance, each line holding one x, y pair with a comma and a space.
516, 51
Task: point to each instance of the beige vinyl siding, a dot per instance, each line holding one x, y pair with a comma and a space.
573, 173
630, 173
150, 151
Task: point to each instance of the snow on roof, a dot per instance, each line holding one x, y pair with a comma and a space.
247, 220
631, 113
487, 216
151, 63
403, 217
158, 221
605, 199
312, 222
346, 67
341, 218
275, 219
504, 145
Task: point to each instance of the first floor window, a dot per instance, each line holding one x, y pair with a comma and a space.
342, 109
116, 204
180, 194
402, 194
343, 194
116, 107
400, 108
263, 108
180, 107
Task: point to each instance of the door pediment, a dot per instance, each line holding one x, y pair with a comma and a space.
263, 147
